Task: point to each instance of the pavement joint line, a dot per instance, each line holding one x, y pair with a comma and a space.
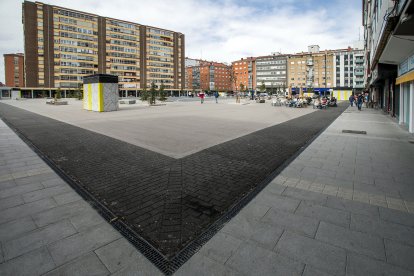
363, 199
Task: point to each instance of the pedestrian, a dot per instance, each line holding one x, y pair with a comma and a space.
216, 95
366, 100
351, 100
201, 95
252, 95
360, 101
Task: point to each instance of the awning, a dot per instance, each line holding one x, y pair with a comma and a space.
405, 78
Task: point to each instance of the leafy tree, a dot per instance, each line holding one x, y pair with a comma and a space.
152, 94
241, 87
162, 93
262, 87
144, 95
58, 94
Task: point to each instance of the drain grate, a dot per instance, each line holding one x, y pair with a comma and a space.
354, 131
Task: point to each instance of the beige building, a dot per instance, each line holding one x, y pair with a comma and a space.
312, 69
63, 45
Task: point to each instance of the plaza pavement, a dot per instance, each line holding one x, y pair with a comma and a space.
344, 206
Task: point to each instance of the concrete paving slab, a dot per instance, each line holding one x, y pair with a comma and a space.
400, 254
74, 246
320, 255
37, 239
88, 264
36, 262
293, 222
351, 240
360, 265
251, 259
15, 228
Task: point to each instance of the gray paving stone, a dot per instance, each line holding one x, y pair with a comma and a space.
20, 190
396, 216
357, 242
352, 206
37, 239
360, 265
274, 188
15, 228
203, 266
251, 259
383, 229
245, 228
304, 195
400, 254
60, 212
87, 265
7, 184
26, 209
11, 202
36, 262
74, 246
120, 254
44, 193
66, 198
56, 181
277, 202
220, 247
85, 220
296, 223
335, 216
254, 210
318, 254
311, 271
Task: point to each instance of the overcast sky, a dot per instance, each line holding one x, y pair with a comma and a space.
217, 30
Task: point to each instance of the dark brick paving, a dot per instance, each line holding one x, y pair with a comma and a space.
168, 202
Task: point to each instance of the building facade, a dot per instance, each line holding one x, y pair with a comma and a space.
389, 57
208, 76
348, 72
63, 45
14, 70
272, 72
244, 74
312, 70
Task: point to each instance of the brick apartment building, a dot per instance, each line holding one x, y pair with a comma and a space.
63, 45
245, 73
14, 70
208, 75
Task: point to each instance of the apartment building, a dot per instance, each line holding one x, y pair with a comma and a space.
63, 45
244, 71
312, 69
348, 72
14, 70
209, 76
272, 71
389, 57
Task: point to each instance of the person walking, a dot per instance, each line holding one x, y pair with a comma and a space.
351, 100
216, 95
201, 95
360, 100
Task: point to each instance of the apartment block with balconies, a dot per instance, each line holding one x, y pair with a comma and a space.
63, 45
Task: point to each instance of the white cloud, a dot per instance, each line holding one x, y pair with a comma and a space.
217, 30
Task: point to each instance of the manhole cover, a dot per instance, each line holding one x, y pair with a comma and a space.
354, 131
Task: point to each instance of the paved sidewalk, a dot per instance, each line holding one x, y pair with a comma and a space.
344, 206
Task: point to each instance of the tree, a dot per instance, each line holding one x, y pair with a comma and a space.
152, 94
144, 95
241, 87
58, 94
162, 93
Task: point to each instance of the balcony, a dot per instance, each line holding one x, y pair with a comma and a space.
359, 73
359, 86
309, 62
